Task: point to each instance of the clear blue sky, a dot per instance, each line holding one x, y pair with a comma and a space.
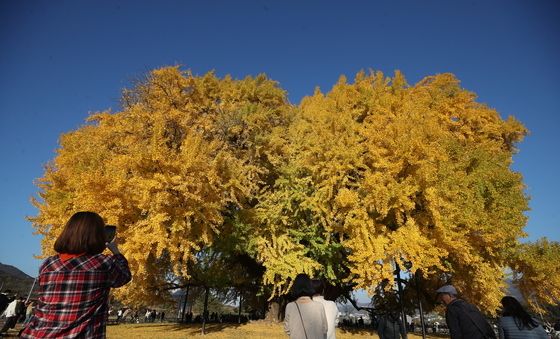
60, 60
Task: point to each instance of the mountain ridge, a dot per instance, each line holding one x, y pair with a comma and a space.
12, 278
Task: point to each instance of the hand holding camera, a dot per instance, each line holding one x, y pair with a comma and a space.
110, 233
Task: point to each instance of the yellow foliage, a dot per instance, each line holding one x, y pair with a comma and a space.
344, 185
537, 273
164, 169
283, 258
397, 173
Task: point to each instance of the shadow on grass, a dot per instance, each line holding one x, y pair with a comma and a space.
358, 331
190, 328
212, 328
368, 332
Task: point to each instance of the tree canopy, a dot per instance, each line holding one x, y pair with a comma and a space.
344, 185
166, 169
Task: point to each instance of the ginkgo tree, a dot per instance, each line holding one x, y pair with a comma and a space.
379, 173
166, 169
535, 272
344, 185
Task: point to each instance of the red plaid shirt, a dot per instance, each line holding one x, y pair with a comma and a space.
73, 296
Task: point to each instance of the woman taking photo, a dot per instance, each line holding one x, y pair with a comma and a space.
516, 323
74, 284
305, 318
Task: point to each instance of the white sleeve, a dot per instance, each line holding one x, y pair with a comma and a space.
334, 310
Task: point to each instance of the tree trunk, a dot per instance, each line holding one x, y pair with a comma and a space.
205, 313
273, 312
401, 300
239, 314
185, 304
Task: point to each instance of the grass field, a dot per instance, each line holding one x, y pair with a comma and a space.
251, 330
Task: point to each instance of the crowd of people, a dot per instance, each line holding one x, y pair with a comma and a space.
214, 317
74, 290
128, 315
464, 320
305, 318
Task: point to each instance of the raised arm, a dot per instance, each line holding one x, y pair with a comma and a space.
119, 273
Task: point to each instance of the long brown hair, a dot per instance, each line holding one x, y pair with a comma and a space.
84, 233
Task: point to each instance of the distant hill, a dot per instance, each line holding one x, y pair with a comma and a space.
11, 278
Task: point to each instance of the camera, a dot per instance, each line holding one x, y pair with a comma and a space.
110, 232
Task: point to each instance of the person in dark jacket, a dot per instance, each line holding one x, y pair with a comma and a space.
390, 326
463, 319
5, 299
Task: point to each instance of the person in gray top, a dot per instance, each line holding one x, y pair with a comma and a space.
516, 323
304, 318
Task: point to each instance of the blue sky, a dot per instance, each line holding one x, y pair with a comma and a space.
60, 60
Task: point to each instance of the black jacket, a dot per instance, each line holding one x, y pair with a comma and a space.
4, 301
466, 322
